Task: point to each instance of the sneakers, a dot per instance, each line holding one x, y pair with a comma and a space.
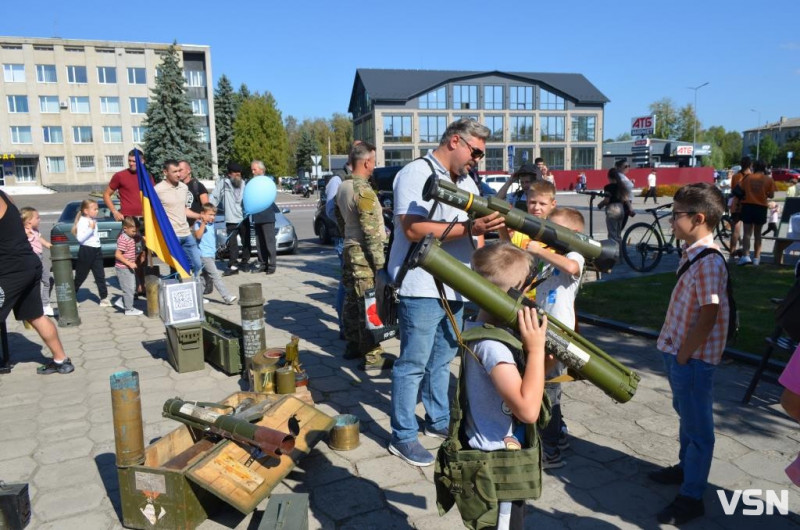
258, 267
412, 452
119, 304
232, 269
53, 367
48, 311
437, 433
668, 475
231, 299
745, 260
133, 312
105, 302
756, 262
563, 442
682, 510
206, 300
374, 361
552, 461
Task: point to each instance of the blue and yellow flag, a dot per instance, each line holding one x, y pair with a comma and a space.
158, 232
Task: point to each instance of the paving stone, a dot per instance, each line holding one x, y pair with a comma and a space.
60, 504
347, 498
19, 447
63, 474
18, 469
765, 465
388, 471
412, 500
63, 451
383, 519
52, 416
94, 521
17, 428
59, 431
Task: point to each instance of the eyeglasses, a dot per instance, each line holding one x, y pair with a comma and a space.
475, 153
676, 214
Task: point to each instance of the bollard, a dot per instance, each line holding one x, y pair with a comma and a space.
126, 407
253, 339
65, 286
151, 289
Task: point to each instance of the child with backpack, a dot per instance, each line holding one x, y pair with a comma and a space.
692, 340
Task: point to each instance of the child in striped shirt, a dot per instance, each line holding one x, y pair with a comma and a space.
125, 265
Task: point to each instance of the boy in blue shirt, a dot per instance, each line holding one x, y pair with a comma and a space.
207, 241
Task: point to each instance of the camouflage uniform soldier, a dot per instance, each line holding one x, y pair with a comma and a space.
360, 219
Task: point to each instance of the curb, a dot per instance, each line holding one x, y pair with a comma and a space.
730, 353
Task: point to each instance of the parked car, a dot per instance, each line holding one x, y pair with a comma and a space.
496, 181
285, 234
785, 174
324, 227
108, 229
298, 185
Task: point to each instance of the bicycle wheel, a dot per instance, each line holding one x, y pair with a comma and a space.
724, 230
642, 247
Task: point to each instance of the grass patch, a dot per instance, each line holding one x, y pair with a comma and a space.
643, 301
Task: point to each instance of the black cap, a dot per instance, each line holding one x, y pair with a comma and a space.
233, 167
529, 169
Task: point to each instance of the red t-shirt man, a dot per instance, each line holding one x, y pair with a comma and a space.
126, 184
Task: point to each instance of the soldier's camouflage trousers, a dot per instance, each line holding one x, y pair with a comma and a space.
357, 277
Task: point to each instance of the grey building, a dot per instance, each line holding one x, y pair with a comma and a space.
782, 131
653, 152
70, 110
558, 117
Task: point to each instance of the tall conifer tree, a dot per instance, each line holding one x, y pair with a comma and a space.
225, 116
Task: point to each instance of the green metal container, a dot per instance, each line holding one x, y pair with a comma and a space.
222, 343
185, 347
64, 286
286, 511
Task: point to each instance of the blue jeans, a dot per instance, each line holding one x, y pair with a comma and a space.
692, 398
338, 244
427, 346
189, 244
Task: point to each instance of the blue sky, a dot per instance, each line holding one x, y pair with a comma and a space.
306, 52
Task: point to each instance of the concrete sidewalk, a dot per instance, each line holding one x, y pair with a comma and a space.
56, 431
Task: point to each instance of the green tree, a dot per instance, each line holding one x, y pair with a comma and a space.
792, 144
666, 118
293, 135
259, 134
225, 115
687, 119
768, 150
624, 137
726, 146
241, 95
342, 138
306, 147
172, 129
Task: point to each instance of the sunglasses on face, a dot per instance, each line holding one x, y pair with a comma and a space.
675, 215
475, 153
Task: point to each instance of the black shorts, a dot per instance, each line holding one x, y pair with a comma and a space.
736, 217
754, 214
21, 292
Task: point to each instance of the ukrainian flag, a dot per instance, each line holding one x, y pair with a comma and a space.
159, 235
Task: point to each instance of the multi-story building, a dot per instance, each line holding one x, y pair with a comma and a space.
558, 117
71, 110
782, 131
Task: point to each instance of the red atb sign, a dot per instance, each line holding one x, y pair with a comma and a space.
643, 126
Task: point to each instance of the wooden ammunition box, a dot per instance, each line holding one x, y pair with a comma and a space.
286, 511
185, 347
186, 477
222, 343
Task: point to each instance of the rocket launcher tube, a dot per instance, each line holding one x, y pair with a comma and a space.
613, 378
270, 441
603, 254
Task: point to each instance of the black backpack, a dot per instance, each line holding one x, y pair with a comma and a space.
733, 314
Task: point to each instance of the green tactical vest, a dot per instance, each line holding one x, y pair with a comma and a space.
475, 480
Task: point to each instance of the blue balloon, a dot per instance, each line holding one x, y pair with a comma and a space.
259, 194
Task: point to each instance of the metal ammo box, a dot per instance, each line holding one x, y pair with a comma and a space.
185, 346
222, 343
15, 506
286, 511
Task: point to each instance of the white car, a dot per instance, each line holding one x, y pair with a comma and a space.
496, 181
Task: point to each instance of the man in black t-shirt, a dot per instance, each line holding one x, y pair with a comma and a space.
198, 194
20, 275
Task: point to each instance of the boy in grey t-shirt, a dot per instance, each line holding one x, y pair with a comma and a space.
499, 398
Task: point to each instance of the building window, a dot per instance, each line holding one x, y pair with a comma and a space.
583, 128
134, 51
494, 158
82, 135
552, 128
200, 107
138, 134
17, 104
397, 129
84, 163
495, 124
76, 75
48, 104
73, 49
46, 73
493, 97
550, 101
397, 157
52, 134
553, 157
522, 155
42, 48
431, 128
115, 162
12, 46
106, 75
112, 135
521, 128
55, 164
196, 78
104, 50
582, 158
109, 105
434, 100
21, 134
520, 97
137, 76
14, 73
79, 104
203, 134
465, 97
25, 172
138, 105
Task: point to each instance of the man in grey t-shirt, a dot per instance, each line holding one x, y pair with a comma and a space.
427, 341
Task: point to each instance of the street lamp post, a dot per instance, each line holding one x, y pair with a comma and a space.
758, 133
694, 137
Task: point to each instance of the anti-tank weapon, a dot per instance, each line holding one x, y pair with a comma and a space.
269, 441
602, 253
598, 367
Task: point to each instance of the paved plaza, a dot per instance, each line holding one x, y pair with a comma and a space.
56, 431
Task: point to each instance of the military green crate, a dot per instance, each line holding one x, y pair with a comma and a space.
222, 343
286, 511
185, 347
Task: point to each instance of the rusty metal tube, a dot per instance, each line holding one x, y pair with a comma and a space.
126, 407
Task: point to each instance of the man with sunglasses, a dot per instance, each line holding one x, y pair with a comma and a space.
427, 340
